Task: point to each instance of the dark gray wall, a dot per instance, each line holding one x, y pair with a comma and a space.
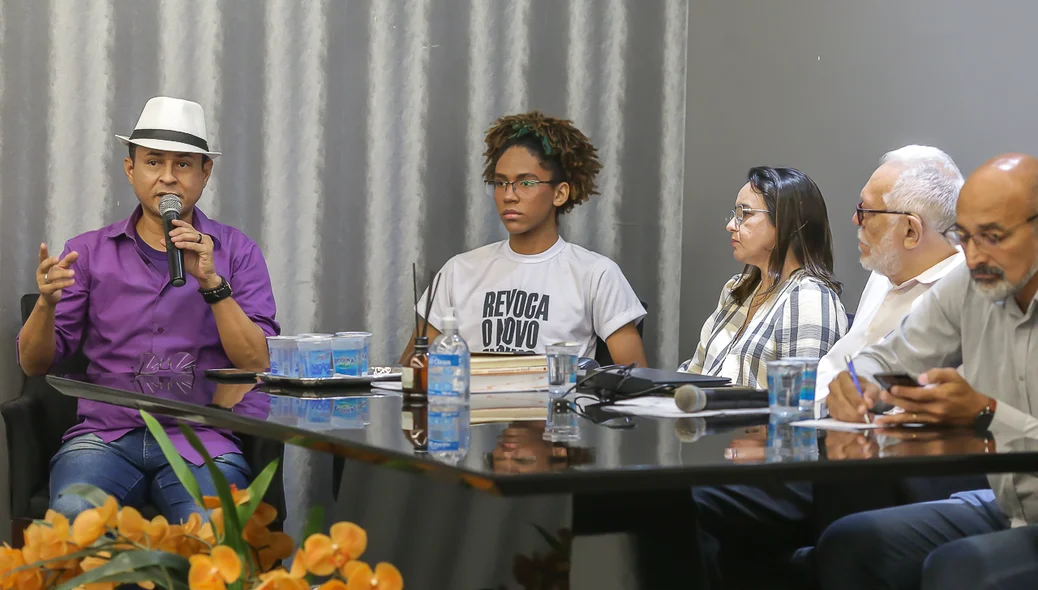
828, 87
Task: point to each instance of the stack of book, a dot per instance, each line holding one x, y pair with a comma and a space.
493, 373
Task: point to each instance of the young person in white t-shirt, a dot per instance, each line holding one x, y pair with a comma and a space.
535, 289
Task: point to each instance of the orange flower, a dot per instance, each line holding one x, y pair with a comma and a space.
240, 497
91, 524
279, 547
47, 540
333, 585
255, 535
212, 531
11, 559
215, 571
157, 530
279, 579
131, 524
95, 561
264, 514
385, 577
326, 554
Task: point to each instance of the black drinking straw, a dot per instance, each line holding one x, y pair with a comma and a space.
428, 304
414, 280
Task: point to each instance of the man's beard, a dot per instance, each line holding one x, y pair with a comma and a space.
883, 257
1000, 289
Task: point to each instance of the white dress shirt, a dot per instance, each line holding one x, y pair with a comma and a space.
880, 311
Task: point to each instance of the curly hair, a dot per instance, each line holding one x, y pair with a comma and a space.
556, 143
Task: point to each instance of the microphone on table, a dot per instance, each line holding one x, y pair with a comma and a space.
690, 398
169, 207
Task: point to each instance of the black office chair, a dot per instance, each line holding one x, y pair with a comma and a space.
602, 356
39, 417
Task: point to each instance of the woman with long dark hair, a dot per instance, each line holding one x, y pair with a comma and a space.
785, 302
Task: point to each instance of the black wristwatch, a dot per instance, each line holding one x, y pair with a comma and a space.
218, 294
982, 421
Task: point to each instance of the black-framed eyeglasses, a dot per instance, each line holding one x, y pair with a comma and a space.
740, 213
860, 210
526, 187
985, 239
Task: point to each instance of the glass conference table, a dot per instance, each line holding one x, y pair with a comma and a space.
634, 479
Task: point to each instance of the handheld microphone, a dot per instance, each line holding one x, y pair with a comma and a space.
690, 398
169, 207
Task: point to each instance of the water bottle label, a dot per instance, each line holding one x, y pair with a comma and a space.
445, 430
446, 375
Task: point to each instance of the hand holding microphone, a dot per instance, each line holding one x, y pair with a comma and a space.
187, 249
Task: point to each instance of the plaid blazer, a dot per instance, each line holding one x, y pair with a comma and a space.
804, 318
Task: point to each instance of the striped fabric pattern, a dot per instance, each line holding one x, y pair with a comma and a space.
803, 318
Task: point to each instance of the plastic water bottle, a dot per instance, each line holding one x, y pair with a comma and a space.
448, 394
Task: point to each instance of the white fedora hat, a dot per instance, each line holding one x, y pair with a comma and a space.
171, 125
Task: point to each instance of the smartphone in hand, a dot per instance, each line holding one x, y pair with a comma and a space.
889, 380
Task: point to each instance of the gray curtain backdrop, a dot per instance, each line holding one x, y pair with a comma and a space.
352, 134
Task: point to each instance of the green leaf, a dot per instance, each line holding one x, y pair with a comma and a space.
257, 490
314, 522
180, 468
555, 544
231, 524
134, 566
93, 494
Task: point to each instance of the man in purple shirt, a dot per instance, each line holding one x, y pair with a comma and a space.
110, 294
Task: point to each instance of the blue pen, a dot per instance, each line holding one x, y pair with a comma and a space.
857, 384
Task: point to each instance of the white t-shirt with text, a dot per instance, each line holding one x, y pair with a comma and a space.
509, 302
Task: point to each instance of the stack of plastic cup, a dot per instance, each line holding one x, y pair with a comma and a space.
350, 412
315, 354
284, 356
808, 375
784, 378
350, 353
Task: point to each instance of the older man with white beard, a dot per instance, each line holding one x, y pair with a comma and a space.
905, 206
983, 317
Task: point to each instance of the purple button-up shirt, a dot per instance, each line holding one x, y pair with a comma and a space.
129, 319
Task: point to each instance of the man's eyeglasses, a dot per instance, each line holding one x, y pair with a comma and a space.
987, 239
527, 187
860, 210
740, 213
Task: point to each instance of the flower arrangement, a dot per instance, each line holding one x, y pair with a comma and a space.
108, 546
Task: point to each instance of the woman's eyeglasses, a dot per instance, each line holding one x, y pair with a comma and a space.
740, 213
527, 187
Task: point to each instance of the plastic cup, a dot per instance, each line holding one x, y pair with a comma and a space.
316, 356
350, 353
784, 379
562, 366
283, 356
806, 401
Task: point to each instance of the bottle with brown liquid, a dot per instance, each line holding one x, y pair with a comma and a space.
414, 380
414, 420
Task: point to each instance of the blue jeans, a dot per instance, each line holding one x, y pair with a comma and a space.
134, 470
963, 542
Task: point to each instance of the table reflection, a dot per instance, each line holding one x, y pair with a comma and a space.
522, 448
379, 427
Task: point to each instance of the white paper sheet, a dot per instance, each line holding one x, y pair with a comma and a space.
664, 407
834, 424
